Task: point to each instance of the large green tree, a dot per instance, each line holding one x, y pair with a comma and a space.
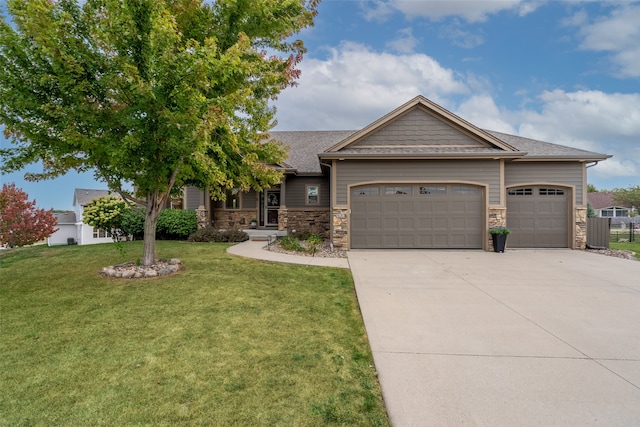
155, 93
627, 196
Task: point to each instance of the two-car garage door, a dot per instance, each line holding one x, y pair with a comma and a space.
416, 216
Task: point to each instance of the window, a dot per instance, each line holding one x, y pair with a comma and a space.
366, 191
433, 189
614, 212
464, 189
607, 212
99, 233
397, 190
520, 192
232, 198
313, 195
550, 192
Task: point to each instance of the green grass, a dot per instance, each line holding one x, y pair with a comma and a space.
226, 342
629, 246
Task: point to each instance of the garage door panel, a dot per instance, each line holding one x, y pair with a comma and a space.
441, 207
538, 219
417, 220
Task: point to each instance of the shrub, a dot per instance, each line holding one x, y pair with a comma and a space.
210, 234
132, 223
291, 243
176, 224
314, 239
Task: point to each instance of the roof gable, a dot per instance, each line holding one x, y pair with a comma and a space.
421, 123
82, 196
604, 199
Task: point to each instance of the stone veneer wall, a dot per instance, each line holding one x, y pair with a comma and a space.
313, 220
581, 228
240, 218
340, 238
497, 218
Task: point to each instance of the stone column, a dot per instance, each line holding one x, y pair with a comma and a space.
340, 235
497, 218
283, 219
581, 228
203, 216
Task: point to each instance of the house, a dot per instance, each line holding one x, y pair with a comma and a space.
604, 206
71, 229
418, 177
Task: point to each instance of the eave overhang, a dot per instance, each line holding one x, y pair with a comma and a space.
432, 156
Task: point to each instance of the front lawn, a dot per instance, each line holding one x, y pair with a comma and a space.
629, 246
227, 341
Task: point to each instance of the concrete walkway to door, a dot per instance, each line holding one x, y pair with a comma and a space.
524, 338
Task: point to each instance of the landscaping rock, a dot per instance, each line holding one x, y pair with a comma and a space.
130, 270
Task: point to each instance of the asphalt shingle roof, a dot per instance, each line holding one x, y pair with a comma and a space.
82, 196
535, 148
304, 147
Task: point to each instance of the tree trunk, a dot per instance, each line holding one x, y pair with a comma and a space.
150, 222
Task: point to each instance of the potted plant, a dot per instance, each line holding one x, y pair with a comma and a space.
253, 223
499, 236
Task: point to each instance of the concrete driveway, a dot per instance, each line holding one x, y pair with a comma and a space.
524, 338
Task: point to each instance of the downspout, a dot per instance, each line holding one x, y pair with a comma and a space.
594, 163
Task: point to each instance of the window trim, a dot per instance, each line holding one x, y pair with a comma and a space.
307, 187
227, 192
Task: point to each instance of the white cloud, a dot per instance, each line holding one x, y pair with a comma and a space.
607, 123
355, 85
405, 42
482, 111
618, 33
469, 10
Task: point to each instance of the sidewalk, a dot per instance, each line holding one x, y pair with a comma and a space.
255, 249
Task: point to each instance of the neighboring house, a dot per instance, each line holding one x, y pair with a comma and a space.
66, 233
70, 225
604, 206
419, 177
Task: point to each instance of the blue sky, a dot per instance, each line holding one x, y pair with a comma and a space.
566, 72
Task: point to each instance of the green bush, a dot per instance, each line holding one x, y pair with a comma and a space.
291, 243
314, 239
176, 224
210, 234
132, 224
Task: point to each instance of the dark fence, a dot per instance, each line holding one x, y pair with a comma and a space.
598, 232
624, 235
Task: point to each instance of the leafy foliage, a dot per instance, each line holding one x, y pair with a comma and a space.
291, 243
132, 223
156, 93
627, 196
105, 213
176, 224
591, 188
211, 234
591, 213
21, 223
499, 230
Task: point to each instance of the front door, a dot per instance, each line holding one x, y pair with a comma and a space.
271, 207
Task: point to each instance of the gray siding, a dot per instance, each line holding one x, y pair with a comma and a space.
417, 128
566, 173
478, 171
248, 200
295, 191
194, 198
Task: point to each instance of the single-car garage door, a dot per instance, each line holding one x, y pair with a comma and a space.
416, 216
538, 217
